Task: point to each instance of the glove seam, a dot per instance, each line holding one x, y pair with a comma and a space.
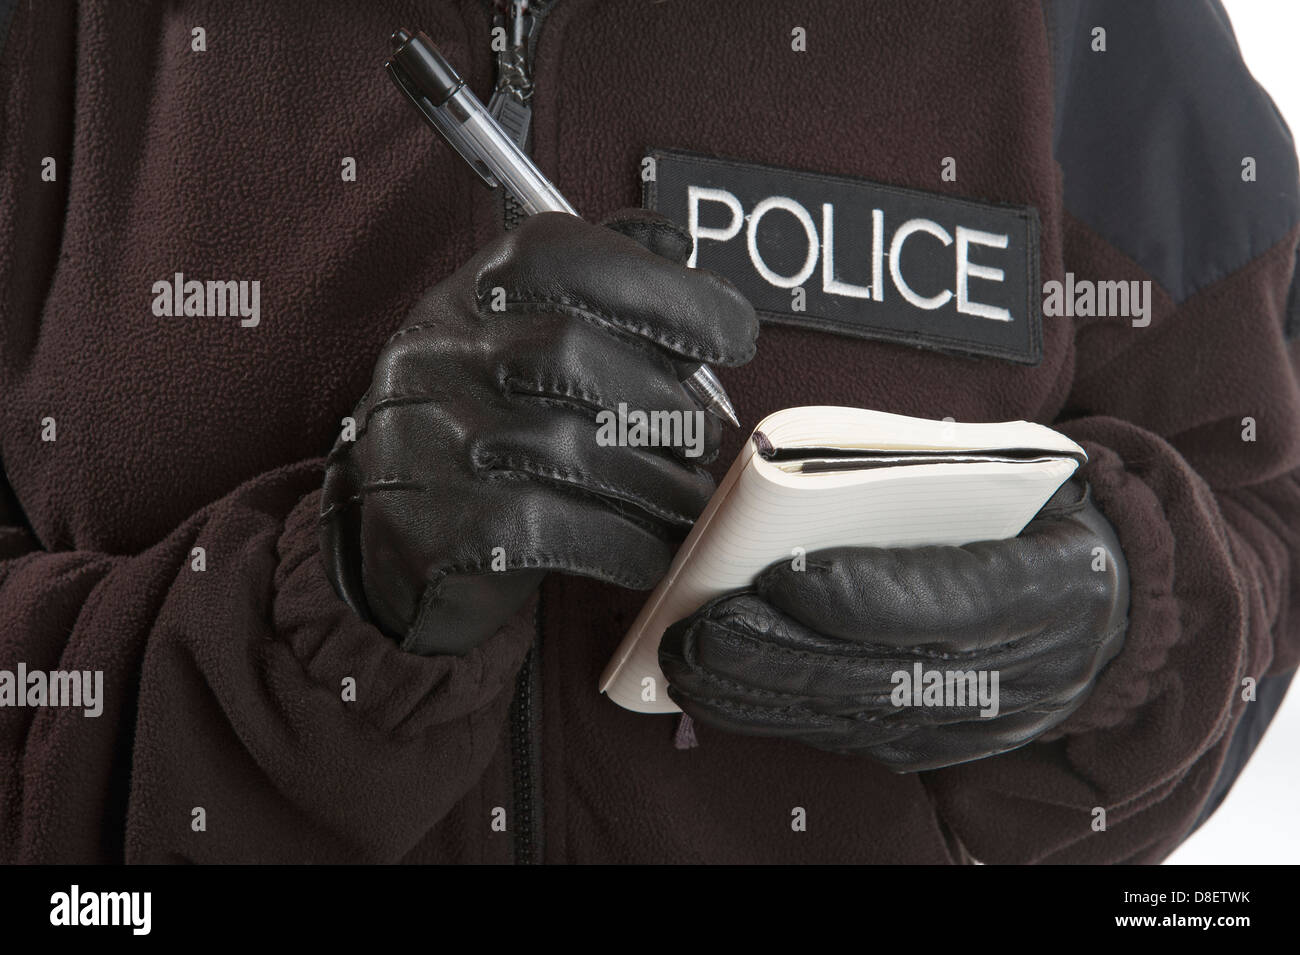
389, 401
560, 391
535, 561
500, 467
574, 397
859, 648
632, 227
586, 312
859, 717
389, 482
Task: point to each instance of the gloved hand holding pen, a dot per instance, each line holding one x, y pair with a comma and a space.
477, 438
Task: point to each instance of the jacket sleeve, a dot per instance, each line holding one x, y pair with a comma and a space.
1192, 426
226, 689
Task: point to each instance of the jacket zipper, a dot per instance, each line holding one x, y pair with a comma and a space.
525, 761
511, 102
512, 107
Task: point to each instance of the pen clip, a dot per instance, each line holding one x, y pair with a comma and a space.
437, 117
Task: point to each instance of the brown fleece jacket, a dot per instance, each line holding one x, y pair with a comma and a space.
225, 687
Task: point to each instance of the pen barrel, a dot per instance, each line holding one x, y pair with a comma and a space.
507, 162
437, 91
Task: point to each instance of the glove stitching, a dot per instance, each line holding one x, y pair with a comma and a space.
399, 484
862, 716
534, 561
626, 224
736, 707
340, 448
755, 637
403, 399
824, 720
587, 401
491, 467
553, 389
409, 329
595, 316
710, 678
639, 230
387, 483
736, 623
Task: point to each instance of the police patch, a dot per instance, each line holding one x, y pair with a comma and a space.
861, 258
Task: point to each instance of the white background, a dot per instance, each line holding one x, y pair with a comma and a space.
1259, 822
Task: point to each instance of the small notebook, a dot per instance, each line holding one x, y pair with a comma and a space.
817, 477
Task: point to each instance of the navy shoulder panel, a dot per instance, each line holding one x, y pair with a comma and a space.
1151, 136
7, 8
1269, 693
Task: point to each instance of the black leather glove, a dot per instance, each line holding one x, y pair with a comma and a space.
477, 440
813, 654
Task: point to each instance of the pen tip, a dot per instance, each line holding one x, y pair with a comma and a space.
400, 36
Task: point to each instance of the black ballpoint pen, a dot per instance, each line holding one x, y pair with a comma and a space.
437, 91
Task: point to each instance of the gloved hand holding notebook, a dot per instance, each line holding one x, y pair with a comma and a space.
852, 563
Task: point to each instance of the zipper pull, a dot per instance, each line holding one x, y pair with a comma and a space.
509, 104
